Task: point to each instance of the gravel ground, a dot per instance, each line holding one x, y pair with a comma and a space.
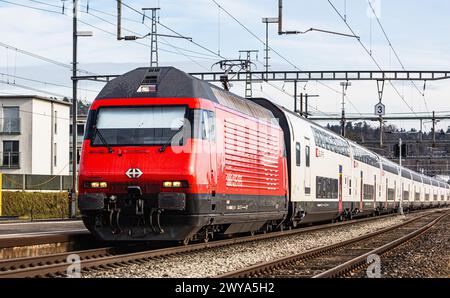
220, 260
427, 256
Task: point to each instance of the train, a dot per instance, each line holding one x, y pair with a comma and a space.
167, 157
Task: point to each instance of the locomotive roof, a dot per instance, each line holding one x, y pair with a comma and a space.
170, 82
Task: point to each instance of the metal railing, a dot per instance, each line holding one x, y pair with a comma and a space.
25, 182
10, 125
9, 160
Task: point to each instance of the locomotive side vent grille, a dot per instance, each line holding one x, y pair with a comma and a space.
251, 157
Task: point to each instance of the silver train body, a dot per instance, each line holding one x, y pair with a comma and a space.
331, 177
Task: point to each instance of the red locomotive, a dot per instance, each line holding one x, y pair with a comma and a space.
167, 157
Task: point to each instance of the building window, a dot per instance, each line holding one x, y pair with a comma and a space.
11, 120
56, 122
55, 157
10, 154
80, 129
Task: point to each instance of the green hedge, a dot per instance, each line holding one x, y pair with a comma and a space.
35, 204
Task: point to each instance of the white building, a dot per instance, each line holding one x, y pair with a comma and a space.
81, 126
34, 135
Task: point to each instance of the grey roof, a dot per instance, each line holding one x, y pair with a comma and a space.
171, 82
35, 97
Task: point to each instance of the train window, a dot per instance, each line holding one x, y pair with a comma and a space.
391, 194
417, 196
205, 126
308, 159
369, 192
406, 195
350, 186
212, 125
330, 142
298, 154
326, 188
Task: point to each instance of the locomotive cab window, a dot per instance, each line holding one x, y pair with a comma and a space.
134, 126
297, 154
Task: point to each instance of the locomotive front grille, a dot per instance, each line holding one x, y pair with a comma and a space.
147, 188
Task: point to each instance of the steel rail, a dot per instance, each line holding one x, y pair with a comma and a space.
42, 238
362, 260
262, 269
54, 265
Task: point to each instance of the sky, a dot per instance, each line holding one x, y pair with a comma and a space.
417, 30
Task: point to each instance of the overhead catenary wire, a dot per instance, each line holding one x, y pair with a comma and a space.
32, 89
42, 58
31, 7
370, 54
171, 30
135, 41
44, 82
203, 47
275, 51
164, 26
395, 52
139, 22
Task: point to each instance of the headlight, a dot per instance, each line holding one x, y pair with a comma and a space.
96, 184
167, 183
175, 184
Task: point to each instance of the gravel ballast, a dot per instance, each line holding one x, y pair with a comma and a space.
217, 261
427, 256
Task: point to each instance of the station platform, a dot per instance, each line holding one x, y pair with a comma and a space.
39, 232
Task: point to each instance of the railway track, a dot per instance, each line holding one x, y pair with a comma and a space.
342, 258
111, 257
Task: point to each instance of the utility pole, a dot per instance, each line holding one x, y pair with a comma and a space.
305, 114
307, 96
268, 21
296, 97
401, 182
119, 19
344, 85
381, 131
73, 196
248, 81
434, 129
75, 35
301, 104
154, 37
153, 34
280, 17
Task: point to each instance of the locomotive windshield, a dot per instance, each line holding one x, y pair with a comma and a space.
130, 126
